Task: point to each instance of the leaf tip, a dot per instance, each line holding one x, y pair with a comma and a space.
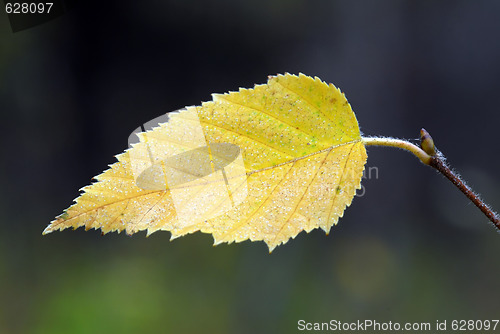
47, 230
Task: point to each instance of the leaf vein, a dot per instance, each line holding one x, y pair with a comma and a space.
266, 199
340, 181
293, 127
305, 100
248, 137
286, 221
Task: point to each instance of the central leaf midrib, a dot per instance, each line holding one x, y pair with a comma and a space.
247, 174
304, 156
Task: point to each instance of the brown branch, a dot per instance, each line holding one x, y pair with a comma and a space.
438, 162
430, 156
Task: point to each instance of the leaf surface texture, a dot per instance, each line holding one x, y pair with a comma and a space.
260, 164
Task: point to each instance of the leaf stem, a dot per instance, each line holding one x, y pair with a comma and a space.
399, 143
432, 157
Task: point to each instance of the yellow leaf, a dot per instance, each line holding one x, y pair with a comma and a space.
260, 164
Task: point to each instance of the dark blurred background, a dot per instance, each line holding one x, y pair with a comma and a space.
411, 249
